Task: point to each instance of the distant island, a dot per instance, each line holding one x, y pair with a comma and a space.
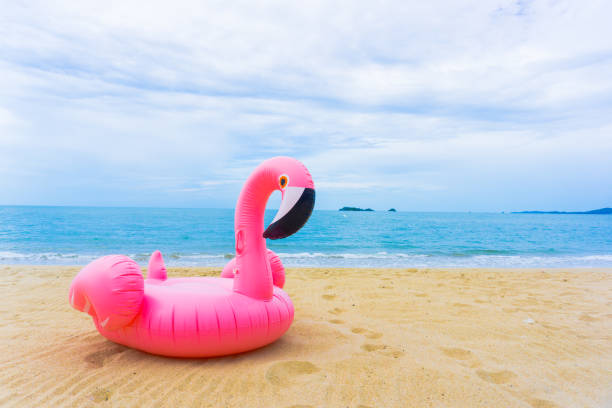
355, 209
362, 209
599, 211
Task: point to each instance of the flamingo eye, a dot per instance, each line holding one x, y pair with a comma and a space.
283, 181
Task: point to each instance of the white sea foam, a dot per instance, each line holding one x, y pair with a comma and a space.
348, 259
11, 255
45, 258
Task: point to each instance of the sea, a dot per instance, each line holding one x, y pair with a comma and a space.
204, 237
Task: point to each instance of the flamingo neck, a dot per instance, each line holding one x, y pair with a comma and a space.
253, 276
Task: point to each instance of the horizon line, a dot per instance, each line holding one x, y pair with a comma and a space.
273, 209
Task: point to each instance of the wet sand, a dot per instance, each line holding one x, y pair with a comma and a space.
361, 338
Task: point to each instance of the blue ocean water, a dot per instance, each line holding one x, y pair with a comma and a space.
77, 235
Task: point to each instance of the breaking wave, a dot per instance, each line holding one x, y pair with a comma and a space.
320, 259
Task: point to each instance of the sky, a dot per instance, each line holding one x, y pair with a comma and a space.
421, 106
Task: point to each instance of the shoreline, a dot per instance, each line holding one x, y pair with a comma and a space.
298, 268
208, 270
517, 337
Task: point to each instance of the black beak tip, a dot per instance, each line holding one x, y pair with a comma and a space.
294, 219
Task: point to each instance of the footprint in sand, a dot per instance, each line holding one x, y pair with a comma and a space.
335, 311
496, 377
383, 348
372, 347
457, 353
328, 297
287, 372
336, 321
98, 358
393, 353
587, 318
101, 394
369, 347
540, 403
367, 333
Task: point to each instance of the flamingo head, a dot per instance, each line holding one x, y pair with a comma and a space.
298, 196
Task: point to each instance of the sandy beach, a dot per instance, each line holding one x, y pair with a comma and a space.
361, 338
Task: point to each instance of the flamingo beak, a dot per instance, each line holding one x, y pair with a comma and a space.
294, 211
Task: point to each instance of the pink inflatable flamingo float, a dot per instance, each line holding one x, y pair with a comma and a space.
244, 309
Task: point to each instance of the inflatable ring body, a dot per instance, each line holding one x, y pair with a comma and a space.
182, 317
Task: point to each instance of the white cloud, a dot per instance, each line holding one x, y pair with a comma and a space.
155, 97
